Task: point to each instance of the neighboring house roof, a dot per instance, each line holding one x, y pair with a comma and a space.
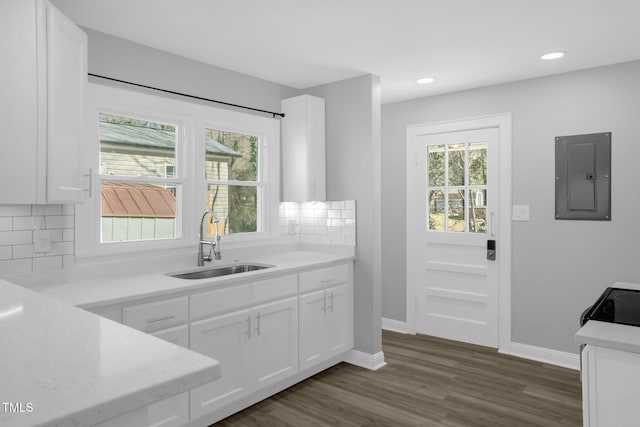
138, 136
137, 200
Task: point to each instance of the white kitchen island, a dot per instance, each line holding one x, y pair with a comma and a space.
610, 372
63, 366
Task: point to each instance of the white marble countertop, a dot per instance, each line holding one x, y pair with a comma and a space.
73, 368
611, 335
124, 281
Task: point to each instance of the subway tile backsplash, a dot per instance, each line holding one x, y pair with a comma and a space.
23, 225
330, 223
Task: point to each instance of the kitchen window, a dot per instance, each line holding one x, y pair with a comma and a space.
138, 197
160, 162
234, 187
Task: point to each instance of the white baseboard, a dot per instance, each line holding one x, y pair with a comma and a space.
545, 355
365, 360
394, 325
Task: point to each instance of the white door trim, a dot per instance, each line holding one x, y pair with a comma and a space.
503, 123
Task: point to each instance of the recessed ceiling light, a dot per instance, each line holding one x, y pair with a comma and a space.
425, 80
552, 55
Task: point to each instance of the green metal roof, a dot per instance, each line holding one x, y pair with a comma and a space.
138, 136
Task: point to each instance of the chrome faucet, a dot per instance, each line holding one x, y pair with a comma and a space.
214, 245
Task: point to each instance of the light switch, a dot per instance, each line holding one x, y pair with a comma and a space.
520, 213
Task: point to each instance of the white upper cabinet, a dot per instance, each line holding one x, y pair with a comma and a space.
41, 104
303, 149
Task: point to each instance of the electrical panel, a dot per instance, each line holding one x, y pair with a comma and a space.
583, 177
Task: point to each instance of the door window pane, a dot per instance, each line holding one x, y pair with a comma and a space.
457, 187
455, 218
478, 211
478, 163
436, 210
135, 147
435, 165
456, 164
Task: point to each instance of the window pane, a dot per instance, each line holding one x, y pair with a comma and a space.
456, 210
135, 211
456, 164
435, 165
133, 147
478, 163
236, 207
478, 211
436, 210
231, 156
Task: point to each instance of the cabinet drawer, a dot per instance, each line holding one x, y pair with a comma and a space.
113, 312
157, 315
219, 300
323, 278
171, 412
178, 335
273, 288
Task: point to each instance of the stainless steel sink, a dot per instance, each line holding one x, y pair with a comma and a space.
219, 271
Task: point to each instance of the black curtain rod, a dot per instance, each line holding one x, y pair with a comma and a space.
187, 95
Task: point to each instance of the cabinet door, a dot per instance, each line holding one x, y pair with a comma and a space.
225, 338
171, 412
338, 327
312, 320
19, 90
612, 383
66, 78
303, 149
274, 341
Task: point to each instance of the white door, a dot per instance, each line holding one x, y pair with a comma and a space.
453, 217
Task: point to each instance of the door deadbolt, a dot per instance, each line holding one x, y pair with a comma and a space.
491, 250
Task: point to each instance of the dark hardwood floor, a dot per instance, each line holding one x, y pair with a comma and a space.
427, 382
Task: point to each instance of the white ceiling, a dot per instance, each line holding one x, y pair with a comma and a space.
303, 43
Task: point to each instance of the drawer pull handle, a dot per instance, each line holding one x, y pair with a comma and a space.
160, 319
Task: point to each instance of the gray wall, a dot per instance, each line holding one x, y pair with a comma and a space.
559, 267
124, 60
353, 173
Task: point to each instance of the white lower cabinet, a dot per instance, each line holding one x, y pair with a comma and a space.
171, 412
135, 418
610, 381
178, 335
255, 347
324, 325
263, 333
